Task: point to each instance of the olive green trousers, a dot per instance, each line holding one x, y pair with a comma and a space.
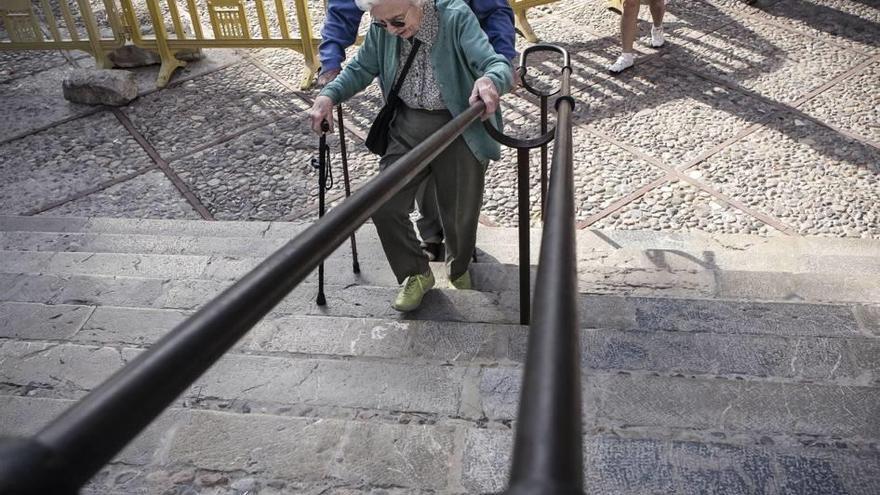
459, 180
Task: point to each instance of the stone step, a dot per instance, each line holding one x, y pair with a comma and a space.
595, 311
588, 240
846, 358
614, 399
813, 287
189, 449
490, 249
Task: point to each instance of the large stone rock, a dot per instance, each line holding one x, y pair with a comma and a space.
100, 87
133, 56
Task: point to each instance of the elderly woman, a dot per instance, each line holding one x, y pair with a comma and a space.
454, 67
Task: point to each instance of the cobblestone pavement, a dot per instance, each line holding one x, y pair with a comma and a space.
759, 120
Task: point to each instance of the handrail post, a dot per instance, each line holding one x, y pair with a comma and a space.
522, 183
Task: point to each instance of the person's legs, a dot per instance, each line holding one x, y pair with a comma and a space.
396, 232
658, 9
392, 220
628, 26
429, 226
459, 177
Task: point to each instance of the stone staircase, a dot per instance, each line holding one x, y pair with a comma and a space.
712, 363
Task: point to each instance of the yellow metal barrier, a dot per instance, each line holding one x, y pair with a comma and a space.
233, 24
522, 23
22, 23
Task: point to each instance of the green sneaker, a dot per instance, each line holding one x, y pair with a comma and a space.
463, 282
414, 289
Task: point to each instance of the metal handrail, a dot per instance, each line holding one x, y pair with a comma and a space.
65, 454
548, 448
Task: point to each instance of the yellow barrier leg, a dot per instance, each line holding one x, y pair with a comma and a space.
309, 44
169, 61
101, 60
523, 25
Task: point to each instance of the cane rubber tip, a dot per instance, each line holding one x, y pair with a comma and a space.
356, 267
321, 300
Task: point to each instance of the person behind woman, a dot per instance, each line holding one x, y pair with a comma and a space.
454, 67
628, 29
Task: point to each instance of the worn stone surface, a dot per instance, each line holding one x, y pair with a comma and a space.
216, 105
643, 401
59, 162
624, 466
150, 195
851, 105
782, 319
844, 170
39, 321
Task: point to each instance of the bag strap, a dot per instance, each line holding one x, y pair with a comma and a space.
409, 60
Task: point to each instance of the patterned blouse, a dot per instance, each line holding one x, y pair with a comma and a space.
420, 88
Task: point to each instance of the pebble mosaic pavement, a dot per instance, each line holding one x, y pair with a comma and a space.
756, 120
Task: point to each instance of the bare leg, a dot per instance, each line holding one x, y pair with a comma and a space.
628, 24
658, 8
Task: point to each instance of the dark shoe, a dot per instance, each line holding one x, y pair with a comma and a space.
433, 250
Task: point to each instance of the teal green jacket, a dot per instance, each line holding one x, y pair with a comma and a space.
462, 53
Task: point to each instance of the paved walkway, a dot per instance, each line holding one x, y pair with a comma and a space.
751, 120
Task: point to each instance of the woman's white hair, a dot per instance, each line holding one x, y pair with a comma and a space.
367, 5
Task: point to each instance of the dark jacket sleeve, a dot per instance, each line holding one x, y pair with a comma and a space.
496, 19
338, 32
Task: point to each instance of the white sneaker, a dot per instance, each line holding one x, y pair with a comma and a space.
657, 39
625, 61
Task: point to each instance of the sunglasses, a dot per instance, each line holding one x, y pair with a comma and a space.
398, 22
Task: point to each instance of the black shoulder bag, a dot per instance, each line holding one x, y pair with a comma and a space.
377, 139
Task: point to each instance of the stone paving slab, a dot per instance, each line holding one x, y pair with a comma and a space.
266, 174
442, 304
35, 102
18, 64
816, 163
633, 401
26, 415
150, 195
657, 96
38, 321
765, 60
819, 360
679, 205
618, 466
216, 105
851, 105
68, 280
853, 25
57, 371
849, 361
64, 160
153, 236
725, 317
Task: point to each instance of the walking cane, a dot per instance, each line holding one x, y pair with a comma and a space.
355, 266
325, 182
324, 173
